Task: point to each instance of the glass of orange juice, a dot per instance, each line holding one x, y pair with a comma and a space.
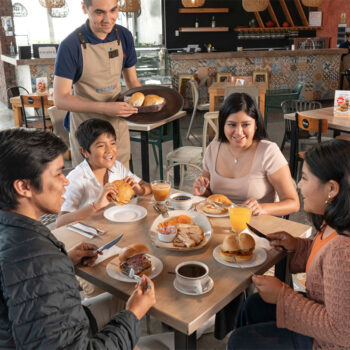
239, 216
161, 190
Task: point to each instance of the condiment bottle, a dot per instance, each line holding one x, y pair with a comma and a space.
213, 22
196, 24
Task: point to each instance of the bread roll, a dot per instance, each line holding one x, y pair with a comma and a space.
151, 100
137, 99
219, 198
132, 250
237, 247
125, 192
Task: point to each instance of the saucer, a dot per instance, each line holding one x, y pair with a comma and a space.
208, 288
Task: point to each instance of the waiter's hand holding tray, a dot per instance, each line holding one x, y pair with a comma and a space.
154, 103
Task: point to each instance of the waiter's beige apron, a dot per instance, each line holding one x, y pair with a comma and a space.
100, 81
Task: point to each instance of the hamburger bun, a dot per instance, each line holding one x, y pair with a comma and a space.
134, 257
237, 247
151, 100
137, 99
125, 192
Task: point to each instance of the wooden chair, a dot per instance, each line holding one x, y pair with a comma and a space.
13, 92
38, 122
318, 126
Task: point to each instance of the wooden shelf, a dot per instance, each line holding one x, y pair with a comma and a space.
275, 29
205, 10
203, 29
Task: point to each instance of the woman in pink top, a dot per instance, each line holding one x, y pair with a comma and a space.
280, 318
244, 165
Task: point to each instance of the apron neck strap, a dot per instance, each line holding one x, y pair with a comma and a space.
82, 38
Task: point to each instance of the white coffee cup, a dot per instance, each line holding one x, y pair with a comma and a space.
181, 200
192, 276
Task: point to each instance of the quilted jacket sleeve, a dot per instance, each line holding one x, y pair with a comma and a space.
44, 311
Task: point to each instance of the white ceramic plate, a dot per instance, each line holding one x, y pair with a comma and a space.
199, 208
198, 218
209, 287
125, 213
259, 256
113, 269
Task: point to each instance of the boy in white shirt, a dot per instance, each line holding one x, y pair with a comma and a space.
90, 181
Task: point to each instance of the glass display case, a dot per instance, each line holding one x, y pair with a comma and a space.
153, 65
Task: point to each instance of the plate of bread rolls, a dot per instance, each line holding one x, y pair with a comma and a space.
154, 103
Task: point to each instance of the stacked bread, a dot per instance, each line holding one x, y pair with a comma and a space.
138, 99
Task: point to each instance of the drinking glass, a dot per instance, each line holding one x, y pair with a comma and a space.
161, 190
239, 217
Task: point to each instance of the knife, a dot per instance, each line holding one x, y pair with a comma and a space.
258, 233
82, 232
110, 244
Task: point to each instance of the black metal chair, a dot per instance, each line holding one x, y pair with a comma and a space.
293, 106
13, 92
38, 122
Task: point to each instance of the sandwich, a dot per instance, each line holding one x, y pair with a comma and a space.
151, 100
188, 235
211, 208
137, 99
134, 257
237, 247
124, 193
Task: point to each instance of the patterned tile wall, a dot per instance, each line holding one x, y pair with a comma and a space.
319, 72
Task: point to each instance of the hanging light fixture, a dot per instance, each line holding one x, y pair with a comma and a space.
129, 5
52, 3
59, 12
312, 3
255, 5
193, 3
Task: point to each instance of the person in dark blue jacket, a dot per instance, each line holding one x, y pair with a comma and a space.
40, 305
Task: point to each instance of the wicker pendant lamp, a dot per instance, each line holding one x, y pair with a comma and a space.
129, 5
255, 5
52, 3
312, 3
193, 3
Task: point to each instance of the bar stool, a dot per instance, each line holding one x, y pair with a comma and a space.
182, 78
226, 77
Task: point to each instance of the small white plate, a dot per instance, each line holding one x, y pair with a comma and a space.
208, 288
113, 269
199, 208
259, 256
125, 213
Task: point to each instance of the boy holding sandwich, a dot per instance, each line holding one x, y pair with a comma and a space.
91, 186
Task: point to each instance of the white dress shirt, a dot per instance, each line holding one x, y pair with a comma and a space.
84, 188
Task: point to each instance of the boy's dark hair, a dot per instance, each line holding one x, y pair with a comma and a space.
238, 102
24, 155
331, 161
91, 129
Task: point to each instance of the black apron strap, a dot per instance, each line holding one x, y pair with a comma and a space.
81, 36
117, 34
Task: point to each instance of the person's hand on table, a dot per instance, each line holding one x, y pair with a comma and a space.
255, 206
85, 253
137, 188
102, 200
120, 109
268, 287
142, 299
282, 239
200, 185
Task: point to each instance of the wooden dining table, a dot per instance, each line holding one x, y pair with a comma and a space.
143, 128
184, 313
337, 124
218, 90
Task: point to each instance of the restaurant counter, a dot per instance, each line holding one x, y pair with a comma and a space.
27, 70
318, 69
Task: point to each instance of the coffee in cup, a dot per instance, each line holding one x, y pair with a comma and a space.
182, 201
192, 276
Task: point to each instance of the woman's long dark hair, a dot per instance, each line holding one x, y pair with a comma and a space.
238, 102
331, 161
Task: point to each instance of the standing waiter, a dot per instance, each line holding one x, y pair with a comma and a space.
91, 59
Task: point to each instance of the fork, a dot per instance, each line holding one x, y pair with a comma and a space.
137, 278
